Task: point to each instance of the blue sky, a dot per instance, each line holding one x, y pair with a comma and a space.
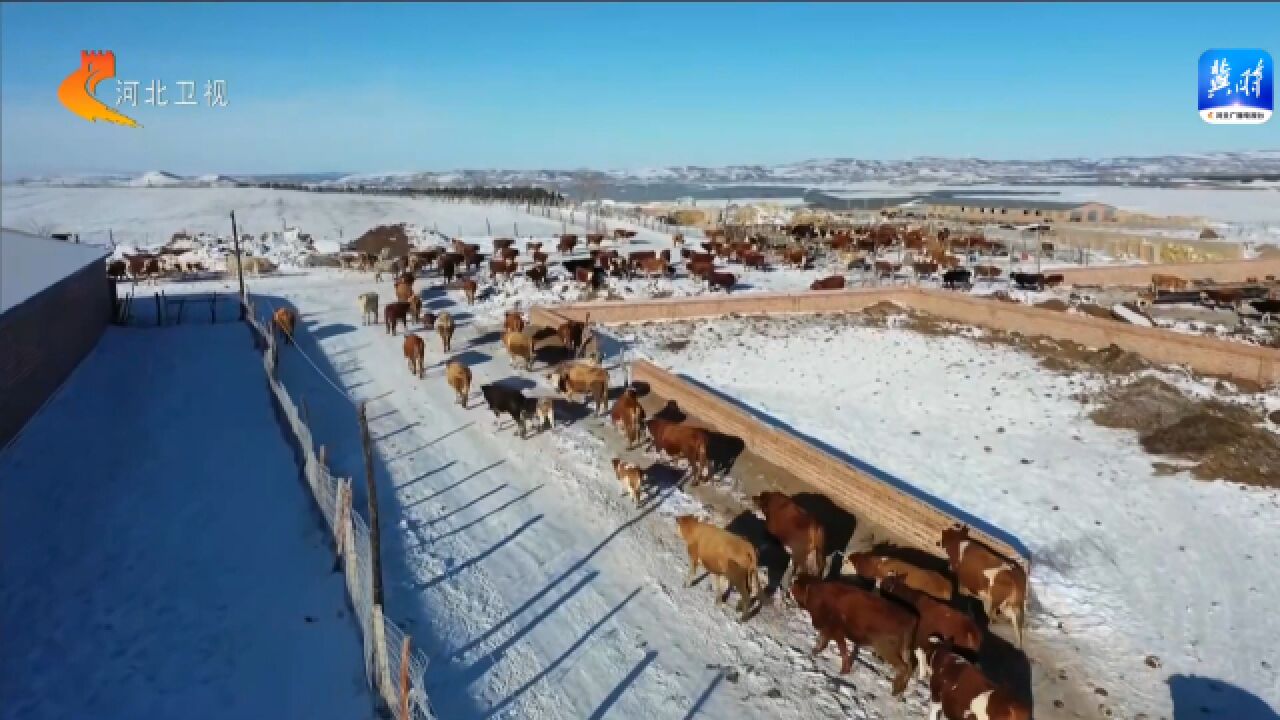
364, 88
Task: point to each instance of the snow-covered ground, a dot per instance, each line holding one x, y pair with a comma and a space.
162, 558
536, 588
1126, 564
145, 217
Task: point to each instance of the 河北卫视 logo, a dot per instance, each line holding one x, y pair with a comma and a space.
77, 91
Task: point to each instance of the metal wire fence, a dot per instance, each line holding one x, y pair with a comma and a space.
393, 669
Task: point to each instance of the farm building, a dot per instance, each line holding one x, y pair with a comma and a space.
55, 301
1018, 210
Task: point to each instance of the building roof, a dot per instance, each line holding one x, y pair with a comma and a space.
1008, 202
30, 263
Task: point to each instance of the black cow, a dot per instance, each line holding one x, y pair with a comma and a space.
573, 265
1028, 281
502, 399
956, 278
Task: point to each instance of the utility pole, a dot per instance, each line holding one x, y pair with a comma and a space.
235, 237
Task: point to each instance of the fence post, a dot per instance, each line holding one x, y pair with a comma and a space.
381, 668
341, 517
404, 679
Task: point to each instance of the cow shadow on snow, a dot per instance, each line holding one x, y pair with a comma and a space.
1200, 698
331, 417
487, 338
328, 331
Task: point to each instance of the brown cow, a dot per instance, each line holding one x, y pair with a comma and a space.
845, 613
1167, 282
1054, 280
959, 691
834, 282
936, 618
631, 476
415, 308
880, 567
539, 258
628, 416
570, 333
724, 555
1217, 298
797, 530
503, 243
449, 268
469, 290
639, 255
403, 292
518, 345
682, 441
754, 260
284, 320
677, 240
653, 266
567, 243
721, 280
406, 279
513, 320
501, 267
590, 380
459, 377
533, 247
509, 253
538, 275
701, 268
444, 326
394, 313
797, 257
1001, 585
415, 351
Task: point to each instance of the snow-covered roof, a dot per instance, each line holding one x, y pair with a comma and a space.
30, 263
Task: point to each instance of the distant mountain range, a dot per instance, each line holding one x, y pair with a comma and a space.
1262, 164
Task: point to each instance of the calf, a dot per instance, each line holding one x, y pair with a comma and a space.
403, 292
395, 313
570, 334
1001, 585
1028, 281
677, 240
834, 282
513, 321
415, 308
682, 441
797, 530
544, 412
631, 476
653, 266
724, 555
537, 275
590, 380
936, 618
845, 613
628, 416
368, 304
502, 399
956, 279
721, 280
459, 377
518, 345
469, 290
284, 320
959, 691
1218, 298
880, 567
415, 351
444, 326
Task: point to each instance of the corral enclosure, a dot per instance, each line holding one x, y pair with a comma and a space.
983, 426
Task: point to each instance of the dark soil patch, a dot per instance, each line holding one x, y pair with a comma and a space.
1222, 440
1053, 304
1095, 311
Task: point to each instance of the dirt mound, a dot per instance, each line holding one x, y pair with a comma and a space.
1144, 405
883, 309
384, 236
1220, 439
1053, 304
1116, 359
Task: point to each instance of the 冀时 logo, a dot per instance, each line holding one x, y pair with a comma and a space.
1236, 86
77, 91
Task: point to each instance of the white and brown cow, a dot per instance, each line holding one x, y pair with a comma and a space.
960, 691
1000, 584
